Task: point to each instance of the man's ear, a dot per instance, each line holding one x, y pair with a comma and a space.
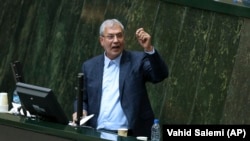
101, 40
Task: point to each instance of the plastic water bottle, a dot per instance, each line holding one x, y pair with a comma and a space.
16, 98
156, 131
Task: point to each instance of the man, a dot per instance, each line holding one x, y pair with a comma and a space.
115, 82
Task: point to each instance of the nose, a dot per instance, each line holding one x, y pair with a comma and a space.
115, 38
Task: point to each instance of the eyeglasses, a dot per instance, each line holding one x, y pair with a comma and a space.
112, 36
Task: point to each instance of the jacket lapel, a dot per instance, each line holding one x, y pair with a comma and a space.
98, 75
124, 67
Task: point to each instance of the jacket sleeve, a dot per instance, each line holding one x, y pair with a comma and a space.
155, 67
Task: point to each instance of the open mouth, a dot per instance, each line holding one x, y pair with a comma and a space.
115, 47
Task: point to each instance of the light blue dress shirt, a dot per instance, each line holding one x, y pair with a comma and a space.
111, 115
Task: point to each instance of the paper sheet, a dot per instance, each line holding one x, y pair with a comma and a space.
85, 119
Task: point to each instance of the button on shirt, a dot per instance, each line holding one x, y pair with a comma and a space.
111, 115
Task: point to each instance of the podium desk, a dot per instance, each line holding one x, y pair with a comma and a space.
20, 128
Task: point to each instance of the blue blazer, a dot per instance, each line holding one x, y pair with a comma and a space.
136, 68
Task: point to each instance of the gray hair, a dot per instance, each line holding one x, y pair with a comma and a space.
109, 22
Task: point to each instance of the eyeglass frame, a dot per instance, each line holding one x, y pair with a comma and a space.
119, 35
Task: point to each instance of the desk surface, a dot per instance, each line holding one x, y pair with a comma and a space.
59, 130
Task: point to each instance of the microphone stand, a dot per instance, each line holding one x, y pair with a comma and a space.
80, 97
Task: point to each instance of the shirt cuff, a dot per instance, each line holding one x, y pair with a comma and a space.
150, 52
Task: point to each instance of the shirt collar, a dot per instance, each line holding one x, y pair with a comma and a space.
116, 60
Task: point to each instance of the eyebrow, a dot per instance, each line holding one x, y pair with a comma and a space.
115, 33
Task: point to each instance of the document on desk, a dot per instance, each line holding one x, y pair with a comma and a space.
85, 119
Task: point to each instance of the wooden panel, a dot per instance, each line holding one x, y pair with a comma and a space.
16, 134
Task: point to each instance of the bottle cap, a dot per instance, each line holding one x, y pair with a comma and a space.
156, 120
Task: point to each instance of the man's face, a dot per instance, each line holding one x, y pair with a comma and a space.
112, 41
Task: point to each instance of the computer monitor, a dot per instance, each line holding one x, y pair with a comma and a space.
41, 102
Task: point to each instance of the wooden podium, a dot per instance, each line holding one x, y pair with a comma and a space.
19, 128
